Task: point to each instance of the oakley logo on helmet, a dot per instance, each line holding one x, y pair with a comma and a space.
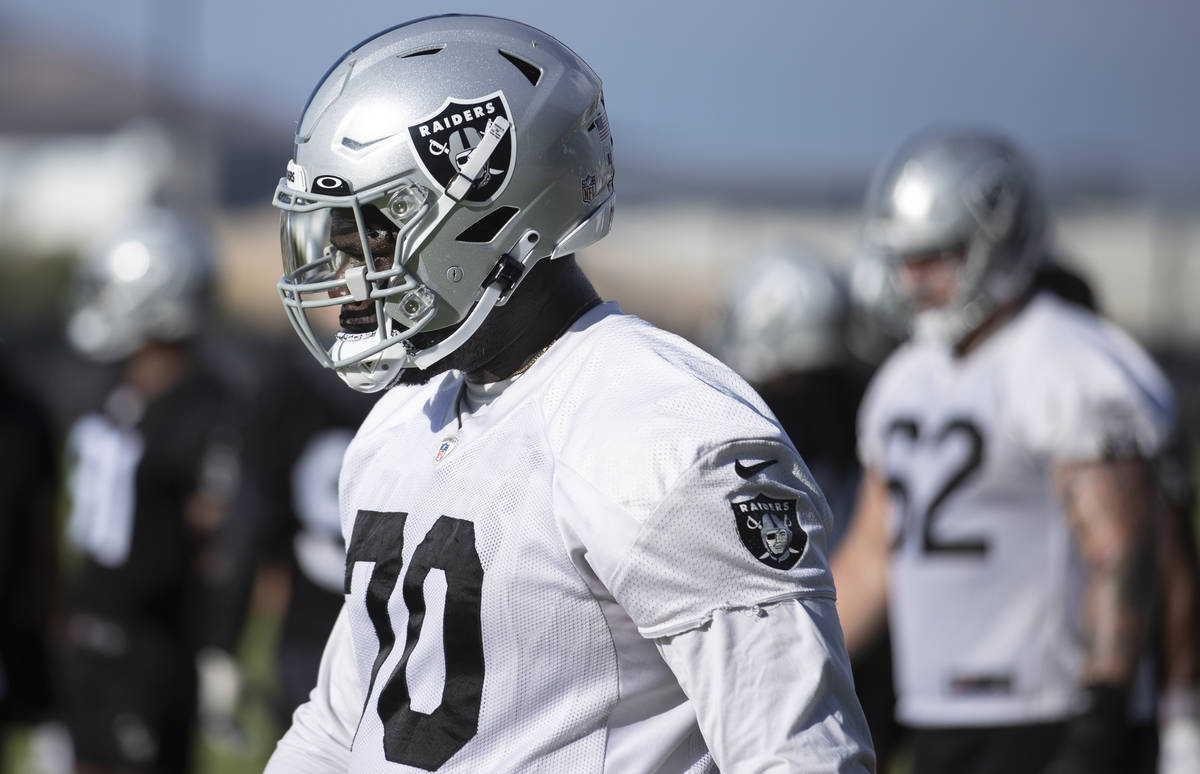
770, 530
444, 141
330, 184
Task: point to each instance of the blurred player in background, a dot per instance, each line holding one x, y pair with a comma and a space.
151, 471
784, 326
287, 507
1009, 511
28, 557
1176, 635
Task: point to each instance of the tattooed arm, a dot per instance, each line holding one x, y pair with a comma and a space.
1111, 508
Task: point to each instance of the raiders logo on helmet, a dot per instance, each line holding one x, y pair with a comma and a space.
444, 141
770, 530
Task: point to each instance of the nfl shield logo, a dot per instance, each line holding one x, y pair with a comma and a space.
770, 530
446, 446
588, 184
444, 140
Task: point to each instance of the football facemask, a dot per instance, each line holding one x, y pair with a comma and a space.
501, 157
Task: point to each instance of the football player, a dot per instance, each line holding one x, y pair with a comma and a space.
575, 542
28, 486
287, 506
150, 472
1009, 509
785, 327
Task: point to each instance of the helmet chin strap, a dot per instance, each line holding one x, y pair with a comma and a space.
509, 269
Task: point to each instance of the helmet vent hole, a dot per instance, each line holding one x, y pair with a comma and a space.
489, 226
528, 69
422, 52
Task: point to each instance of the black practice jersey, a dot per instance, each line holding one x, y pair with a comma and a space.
147, 481
27, 564
304, 418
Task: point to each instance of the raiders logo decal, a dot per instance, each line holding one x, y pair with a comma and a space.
444, 141
770, 530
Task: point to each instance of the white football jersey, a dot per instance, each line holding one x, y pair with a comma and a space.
529, 585
986, 584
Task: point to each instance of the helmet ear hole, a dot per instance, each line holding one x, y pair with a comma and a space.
489, 226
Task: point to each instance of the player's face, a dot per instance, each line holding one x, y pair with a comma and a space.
928, 279
357, 317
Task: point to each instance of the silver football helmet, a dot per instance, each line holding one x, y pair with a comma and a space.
786, 313
482, 143
151, 281
958, 191
878, 318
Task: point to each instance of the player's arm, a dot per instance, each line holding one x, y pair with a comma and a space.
772, 690
1111, 507
860, 567
729, 577
322, 729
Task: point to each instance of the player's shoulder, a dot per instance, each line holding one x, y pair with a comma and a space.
901, 376
1081, 387
1061, 346
631, 408
644, 380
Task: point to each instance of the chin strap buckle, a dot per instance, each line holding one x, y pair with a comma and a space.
507, 272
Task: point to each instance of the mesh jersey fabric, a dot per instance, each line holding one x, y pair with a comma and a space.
986, 584
599, 494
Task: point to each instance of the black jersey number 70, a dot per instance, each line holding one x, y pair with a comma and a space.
410, 737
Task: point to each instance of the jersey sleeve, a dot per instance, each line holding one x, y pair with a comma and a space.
744, 525
789, 657
322, 730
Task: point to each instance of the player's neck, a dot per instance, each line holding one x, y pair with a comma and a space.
554, 295
993, 323
156, 368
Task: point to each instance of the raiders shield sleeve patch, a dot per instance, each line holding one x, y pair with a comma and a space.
770, 530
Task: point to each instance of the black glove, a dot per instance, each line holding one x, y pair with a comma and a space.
1098, 740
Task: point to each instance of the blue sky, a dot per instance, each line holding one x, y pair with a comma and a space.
757, 88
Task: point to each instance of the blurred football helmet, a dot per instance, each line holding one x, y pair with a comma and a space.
878, 319
152, 281
968, 192
787, 313
475, 140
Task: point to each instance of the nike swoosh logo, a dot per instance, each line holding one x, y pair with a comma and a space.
748, 471
357, 146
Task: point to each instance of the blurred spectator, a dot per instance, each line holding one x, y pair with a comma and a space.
287, 508
151, 471
28, 565
784, 328
1008, 512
